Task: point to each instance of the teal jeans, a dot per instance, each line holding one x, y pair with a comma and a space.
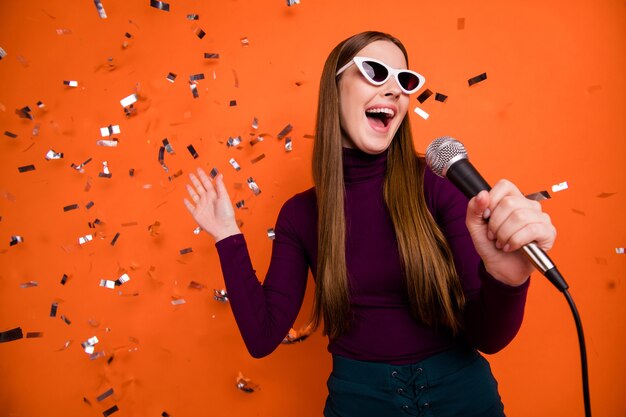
457, 382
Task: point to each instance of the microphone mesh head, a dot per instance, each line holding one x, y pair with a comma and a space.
442, 152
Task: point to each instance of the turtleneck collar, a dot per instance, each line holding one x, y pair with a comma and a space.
360, 166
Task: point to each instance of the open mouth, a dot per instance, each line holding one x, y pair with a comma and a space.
379, 117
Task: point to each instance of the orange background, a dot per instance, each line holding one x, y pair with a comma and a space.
551, 110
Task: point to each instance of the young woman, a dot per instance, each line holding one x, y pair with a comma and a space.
411, 280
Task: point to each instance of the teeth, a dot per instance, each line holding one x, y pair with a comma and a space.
390, 112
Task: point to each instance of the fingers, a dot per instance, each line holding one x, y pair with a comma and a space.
515, 221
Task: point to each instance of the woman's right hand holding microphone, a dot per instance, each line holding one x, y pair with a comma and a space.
211, 207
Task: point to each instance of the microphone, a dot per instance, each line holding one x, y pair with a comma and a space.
448, 158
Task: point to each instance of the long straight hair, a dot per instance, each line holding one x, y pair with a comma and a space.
433, 287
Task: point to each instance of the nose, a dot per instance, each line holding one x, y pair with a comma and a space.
391, 88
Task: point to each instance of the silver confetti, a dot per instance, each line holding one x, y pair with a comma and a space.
619, 251
53, 155
541, 195
128, 101
2, 53
15, 240
100, 8
288, 145
89, 345
233, 141
220, 295
197, 230
84, 239
255, 124
271, 234
178, 301
171, 77
110, 130
71, 83
29, 284
108, 143
107, 283
234, 164
292, 2
285, 131
421, 113
253, 186
559, 187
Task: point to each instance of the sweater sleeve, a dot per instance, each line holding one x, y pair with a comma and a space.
493, 310
265, 312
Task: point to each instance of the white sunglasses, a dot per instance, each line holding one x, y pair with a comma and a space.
378, 73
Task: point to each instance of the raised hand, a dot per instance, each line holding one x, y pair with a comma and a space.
211, 207
500, 222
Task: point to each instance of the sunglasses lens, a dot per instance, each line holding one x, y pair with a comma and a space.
408, 81
375, 71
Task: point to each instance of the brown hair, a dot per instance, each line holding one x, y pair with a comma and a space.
433, 286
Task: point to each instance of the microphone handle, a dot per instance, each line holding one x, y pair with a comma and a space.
467, 179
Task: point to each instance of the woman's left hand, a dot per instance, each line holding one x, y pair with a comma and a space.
513, 221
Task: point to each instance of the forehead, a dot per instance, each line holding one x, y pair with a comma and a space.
385, 51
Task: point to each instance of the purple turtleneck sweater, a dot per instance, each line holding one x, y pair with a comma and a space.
382, 329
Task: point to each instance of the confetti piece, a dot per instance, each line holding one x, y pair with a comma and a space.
35, 130
211, 55
421, 113
441, 97
24, 113
128, 101
256, 140
271, 234
89, 344
53, 309
477, 79
26, 168
70, 207
605, 195
107, 143
619, 251
178, 301
197, 230
154, 228
196, 285
114, 241
10, 134
162, 158
245, 41
559, 187
233, 141
3, 53
171, 77
234, 164
460, 23
541, 195
53, 155
66, 320
253, 186
84, 239
286, 130
15, 240
122, 280
258, 158
292, 2
193, 16
196, 77
220, 295
89, 205
109, 411
11, 335
107, 283
214, 173
105, 170
236, 79
194, 89
192, 151
240, 204
104, 395
71, 83
64, 279
233, 103
255, 123
32, 335
199, 33
161, 5
424, 96
245, 384
29, 284
110, 130
288, 145
81, 166
101, 12
185, 251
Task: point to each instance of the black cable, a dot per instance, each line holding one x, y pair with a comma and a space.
583, 353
